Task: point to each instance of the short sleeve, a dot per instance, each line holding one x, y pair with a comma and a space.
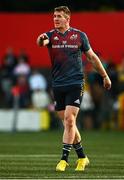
85, 42
49, 34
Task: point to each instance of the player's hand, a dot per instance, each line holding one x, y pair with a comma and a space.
42, 40
107, 82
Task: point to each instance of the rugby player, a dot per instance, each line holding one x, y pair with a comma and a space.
66, 45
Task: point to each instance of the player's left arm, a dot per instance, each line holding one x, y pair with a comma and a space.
94, 59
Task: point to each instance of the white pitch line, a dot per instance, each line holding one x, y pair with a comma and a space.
67, 178
56, 155
29, 155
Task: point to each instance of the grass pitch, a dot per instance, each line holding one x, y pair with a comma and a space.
35, 155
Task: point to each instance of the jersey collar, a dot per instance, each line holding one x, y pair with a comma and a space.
64, 32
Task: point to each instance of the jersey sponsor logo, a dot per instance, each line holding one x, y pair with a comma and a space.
58, 46
73, 37
65, 46
56, 38
71, 46
77, 101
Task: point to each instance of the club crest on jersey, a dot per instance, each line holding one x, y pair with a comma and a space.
73, 37
56, 38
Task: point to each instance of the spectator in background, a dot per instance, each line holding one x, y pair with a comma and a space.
21, 73
102, 104
9, 62
37, 81
22, 68
40, 99
113, 74
23, 55
120, 71
86, 111
23, 91
39, 96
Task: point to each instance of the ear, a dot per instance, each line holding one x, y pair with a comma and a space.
68, 19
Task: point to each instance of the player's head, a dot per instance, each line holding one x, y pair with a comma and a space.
61, 16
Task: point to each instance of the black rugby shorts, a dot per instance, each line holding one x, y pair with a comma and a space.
68, 95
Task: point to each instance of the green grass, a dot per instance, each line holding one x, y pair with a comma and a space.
35, 155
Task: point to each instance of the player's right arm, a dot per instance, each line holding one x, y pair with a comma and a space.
42, 40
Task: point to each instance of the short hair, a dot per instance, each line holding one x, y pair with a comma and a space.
65, 9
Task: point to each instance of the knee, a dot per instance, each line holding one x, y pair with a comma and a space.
69, 121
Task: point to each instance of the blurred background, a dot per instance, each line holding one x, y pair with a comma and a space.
26, 99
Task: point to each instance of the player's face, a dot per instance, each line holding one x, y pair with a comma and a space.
61, 20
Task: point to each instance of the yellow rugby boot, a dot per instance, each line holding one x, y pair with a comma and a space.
61, 166
82, 163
